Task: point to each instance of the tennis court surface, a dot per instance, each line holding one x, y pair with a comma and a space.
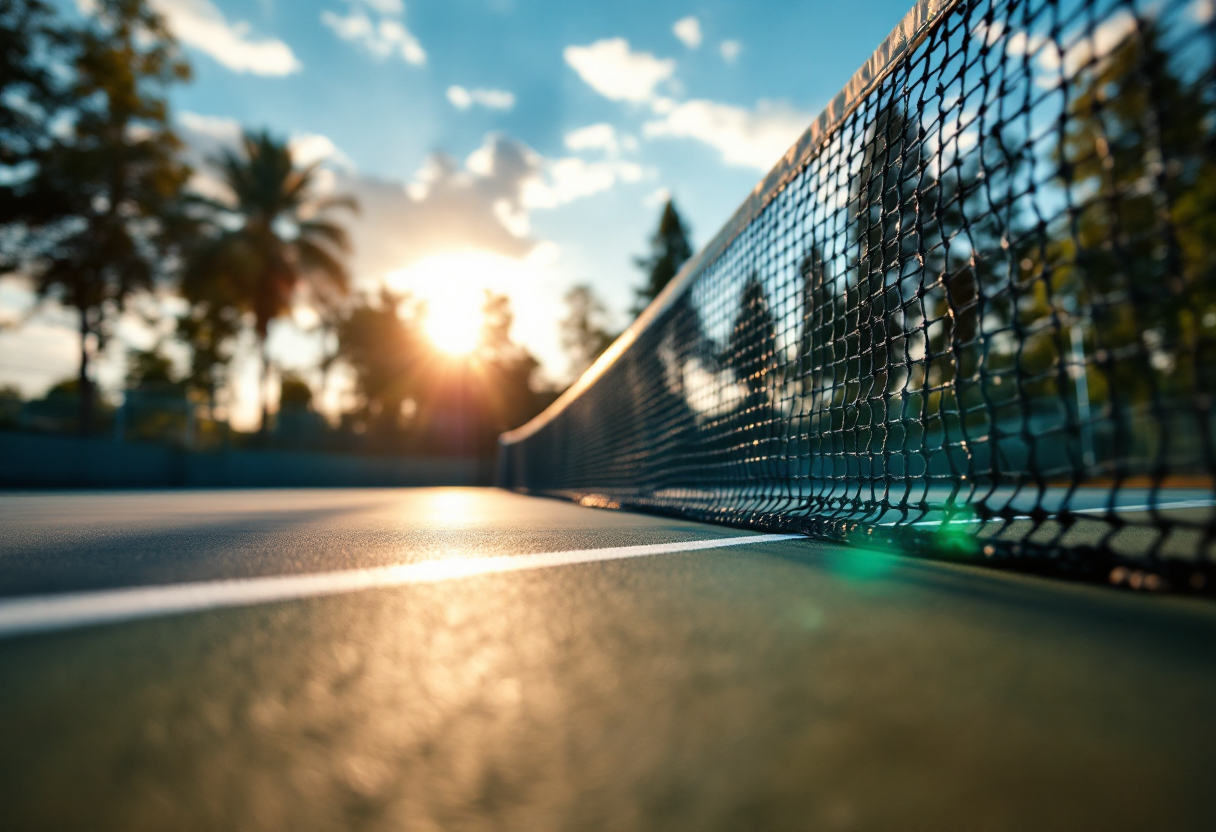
785, 684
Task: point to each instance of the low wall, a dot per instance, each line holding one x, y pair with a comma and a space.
30, 460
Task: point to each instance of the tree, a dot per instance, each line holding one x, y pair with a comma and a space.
466, 401
669, 249
939, 232
507, 369
294, 392
103, 207
281, 239
753, 356
584, 333
10, 405
898, 234
380, 338
412, 395
30, 93
753, 341
823, 335
329, 304
151, 370
155, 406
1138, 259
209, 327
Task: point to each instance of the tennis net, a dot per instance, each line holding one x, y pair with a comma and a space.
972, 313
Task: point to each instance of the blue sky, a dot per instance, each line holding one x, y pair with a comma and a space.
569, 123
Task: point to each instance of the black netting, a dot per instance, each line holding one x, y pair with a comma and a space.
975, 317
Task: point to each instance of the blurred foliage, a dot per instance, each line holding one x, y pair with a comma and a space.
57, 410
209, 328
1140, 256
150, 370
276, 238
100, 217
294, 392
669, 249
11, 401
585, 330
30, 92
95, 208
412, 397
380, 338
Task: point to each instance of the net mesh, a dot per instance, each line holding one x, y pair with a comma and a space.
973, 313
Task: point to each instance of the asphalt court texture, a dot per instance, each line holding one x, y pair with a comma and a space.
784, 684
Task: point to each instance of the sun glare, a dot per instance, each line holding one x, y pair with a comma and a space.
453, 286
454, 324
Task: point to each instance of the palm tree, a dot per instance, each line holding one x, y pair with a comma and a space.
277, 239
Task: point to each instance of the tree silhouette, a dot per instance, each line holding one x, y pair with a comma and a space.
380, 338
894, 231
669, 249
209, 327
282, 241
752, 354
1139, 255
584, 334
940, 232
822, 353
151, 370
508, 398
30, 91
104, 206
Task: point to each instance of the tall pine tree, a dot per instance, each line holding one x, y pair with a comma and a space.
669, 249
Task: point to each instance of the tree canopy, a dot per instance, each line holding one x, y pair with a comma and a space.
669, 249
103, 207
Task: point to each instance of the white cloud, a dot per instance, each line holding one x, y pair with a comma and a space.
198, 23
384, 36
463, 99
206, 137
603, 137
688, 30
747, 138
754, 138
449, 206
217, 129
989, 33
314, 148
484, 203
616, 72
392, 8
594, 137
571, 178
729, 50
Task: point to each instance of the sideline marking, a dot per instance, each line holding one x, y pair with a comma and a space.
43, 613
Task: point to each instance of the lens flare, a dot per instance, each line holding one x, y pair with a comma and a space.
454, 324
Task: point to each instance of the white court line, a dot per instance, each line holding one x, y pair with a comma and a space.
42, 613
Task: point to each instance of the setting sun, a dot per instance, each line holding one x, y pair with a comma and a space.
453, 287
454, 324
